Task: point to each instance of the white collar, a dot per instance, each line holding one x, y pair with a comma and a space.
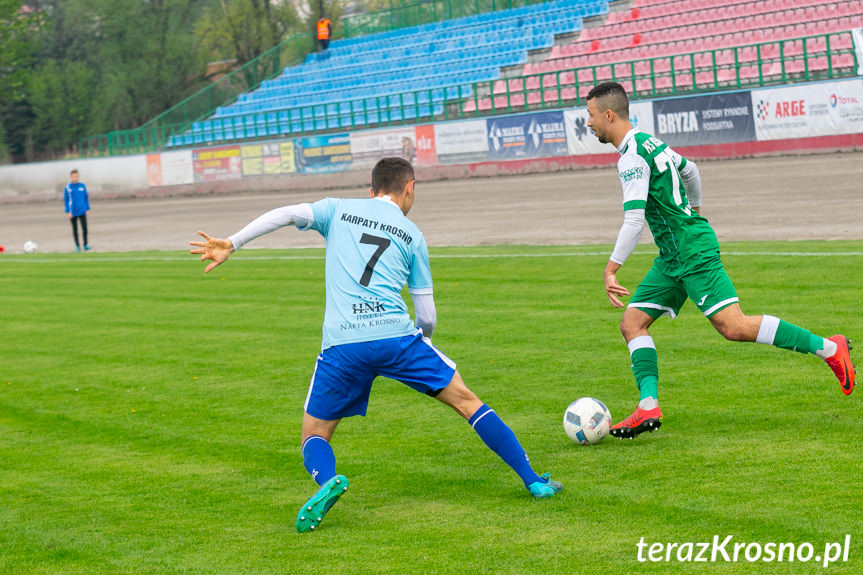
625, 141
386, 198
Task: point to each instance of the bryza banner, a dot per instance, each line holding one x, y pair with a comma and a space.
704, 120
527, 136
580, 139
810, 110
323, 153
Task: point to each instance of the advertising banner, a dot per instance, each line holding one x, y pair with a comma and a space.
319, 154
426, 152
154, 170
216, 164
527, 136
461, 142
369, 147
806, 111
580, 139
703, 120
177, 168
270, 158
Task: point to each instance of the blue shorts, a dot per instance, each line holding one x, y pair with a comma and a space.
344, 374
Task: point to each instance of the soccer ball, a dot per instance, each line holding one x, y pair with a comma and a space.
30, 247
587, 421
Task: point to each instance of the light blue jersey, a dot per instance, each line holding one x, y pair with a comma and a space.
373, 250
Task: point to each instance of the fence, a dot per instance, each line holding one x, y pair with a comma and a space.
820, 57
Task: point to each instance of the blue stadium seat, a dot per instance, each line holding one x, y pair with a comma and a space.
402, 74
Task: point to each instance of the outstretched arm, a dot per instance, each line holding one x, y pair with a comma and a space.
218, 250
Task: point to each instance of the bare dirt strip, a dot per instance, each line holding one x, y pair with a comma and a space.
790, 198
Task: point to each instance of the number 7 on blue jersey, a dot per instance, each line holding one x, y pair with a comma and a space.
383, 244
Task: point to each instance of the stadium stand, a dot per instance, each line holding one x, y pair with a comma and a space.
661, 47
402, 74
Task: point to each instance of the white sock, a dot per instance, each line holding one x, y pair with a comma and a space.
828, 350
648, 403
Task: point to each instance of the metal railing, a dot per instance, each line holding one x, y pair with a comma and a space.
418, 13
202, 104
820, 57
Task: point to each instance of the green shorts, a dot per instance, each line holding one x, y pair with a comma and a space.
659, 294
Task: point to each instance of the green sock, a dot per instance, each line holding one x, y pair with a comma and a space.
645, 366
789, 336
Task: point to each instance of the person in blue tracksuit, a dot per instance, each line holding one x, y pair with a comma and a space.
77, 204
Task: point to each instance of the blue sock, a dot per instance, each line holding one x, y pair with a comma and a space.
319, 459
500, 439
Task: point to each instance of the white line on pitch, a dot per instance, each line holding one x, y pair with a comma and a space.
22, 259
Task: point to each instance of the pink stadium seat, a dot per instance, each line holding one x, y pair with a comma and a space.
516, 85
568, 94
643, 44
683, 81
843, 60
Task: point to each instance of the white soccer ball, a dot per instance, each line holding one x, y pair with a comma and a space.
30, 247
587, 421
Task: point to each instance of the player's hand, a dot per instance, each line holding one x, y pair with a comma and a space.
614, 289
214, 249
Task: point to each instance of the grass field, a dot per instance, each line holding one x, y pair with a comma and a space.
150, 419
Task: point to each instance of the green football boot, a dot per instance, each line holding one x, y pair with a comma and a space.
312, 512
545, 488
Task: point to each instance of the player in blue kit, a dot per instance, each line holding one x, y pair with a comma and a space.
373, 250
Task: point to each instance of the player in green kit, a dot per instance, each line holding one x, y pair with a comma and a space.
664, 189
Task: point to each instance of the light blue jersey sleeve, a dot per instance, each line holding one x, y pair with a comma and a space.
420, 275
323, 211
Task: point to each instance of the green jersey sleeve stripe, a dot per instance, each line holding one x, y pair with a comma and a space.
635, 205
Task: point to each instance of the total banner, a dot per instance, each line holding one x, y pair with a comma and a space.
809, 110
461, 142
214, 164
369, 147
319, 154
704, 120
580, 139
527, 136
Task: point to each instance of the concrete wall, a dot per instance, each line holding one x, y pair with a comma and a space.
104, 177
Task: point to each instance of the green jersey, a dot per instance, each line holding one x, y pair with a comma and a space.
650, 173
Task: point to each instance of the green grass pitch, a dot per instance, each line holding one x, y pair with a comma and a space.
150, 419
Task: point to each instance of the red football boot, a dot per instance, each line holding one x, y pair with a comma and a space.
640, 421
840, 363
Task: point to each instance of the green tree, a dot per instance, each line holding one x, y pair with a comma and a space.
19, 43
243, 29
